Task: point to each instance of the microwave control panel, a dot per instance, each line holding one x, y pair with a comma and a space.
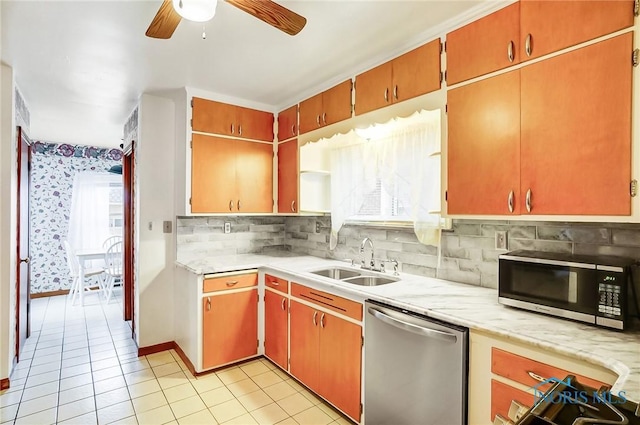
610, 296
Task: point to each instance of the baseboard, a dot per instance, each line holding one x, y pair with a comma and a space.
185, 359
152, 349
49, 294
4, 384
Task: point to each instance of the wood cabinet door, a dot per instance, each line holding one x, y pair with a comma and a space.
502, 395
254, 164
373, 88
276, 328
576, 131
213, 174
483, 46
555, 25
254, 124
213, 117
288, 123
340, 363
288, 177
483, 153
311, 113
417, 72
336, 103
304, 354
230, 328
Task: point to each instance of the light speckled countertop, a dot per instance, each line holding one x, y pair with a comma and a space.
471, 306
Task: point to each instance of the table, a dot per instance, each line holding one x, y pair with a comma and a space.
84, 256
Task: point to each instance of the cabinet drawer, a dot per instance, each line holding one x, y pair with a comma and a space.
501, 396
338, 304
230, 282
520, 369
276, 283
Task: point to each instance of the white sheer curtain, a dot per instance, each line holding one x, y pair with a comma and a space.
404, 154
89, 217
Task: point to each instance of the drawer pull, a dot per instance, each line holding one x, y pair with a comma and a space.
231, 205
535, 376
232, 128
395, 92
208, 303
274, 283
293, 206
239, 130
293, 129
510, 201
232, 282
528, 48
315, 314
527, 201
510, 52
322, 321
386, 95
283, 300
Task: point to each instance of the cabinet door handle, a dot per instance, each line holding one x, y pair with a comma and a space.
386, 94
293, 129
527, 200
231, 205
322, 321
274, 282
528, 47
510, 52
315, 314
232, 282
318, 120
232, 128
239, 129
535, 376
238, 204
282, 305
395, 92
324, 118
510, 201
208, 303
293, 206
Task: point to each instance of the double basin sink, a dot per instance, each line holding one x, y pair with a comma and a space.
355, 277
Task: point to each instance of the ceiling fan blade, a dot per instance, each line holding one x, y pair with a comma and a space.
165, 21
273, 14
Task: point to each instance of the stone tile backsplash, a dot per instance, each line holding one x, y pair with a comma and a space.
468, 253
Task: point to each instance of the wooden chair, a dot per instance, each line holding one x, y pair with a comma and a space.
113, 267
74, 272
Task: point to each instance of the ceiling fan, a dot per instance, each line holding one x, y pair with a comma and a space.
171, 13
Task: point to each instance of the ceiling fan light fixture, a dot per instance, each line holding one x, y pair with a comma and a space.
196, 10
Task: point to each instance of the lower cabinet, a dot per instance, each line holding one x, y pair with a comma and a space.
326, 355
276, 324
229, 327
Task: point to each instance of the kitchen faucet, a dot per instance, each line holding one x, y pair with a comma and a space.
372, 263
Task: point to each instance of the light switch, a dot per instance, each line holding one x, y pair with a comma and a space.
227, 227
166, 226
501, 240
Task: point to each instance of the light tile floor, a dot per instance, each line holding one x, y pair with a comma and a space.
80, 366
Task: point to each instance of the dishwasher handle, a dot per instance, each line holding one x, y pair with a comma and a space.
401, 324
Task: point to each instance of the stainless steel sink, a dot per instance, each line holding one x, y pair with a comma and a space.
337, 273
370, 280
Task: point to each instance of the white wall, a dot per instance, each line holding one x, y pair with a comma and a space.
154, 202
8, 199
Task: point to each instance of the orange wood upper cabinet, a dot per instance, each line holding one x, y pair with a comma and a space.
340, 363
288, 123
254, 176
484, 146
230, 328
412, 74
549, 26
485, 45
276, 317
231, 175
231, 120
288, 176
576, 131
213, 173
304, 342
328, 107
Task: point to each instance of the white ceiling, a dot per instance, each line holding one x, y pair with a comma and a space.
82, 65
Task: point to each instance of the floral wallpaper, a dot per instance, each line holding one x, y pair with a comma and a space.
53, 167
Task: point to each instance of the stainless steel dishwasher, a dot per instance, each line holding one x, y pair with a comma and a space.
415, 368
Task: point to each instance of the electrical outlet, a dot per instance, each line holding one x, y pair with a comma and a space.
317, 227
227, 227
501, 240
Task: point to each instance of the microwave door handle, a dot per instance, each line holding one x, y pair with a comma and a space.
401, 324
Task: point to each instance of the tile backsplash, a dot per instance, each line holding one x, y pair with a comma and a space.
468, 250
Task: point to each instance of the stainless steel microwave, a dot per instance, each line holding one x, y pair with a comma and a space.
590, 289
